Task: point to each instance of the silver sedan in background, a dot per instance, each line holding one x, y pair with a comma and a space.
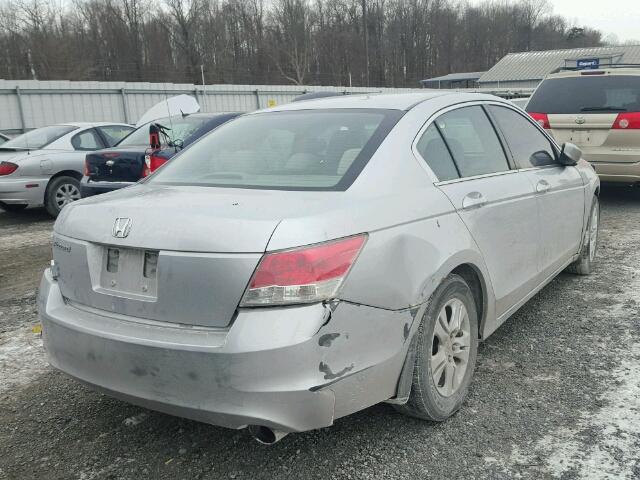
305, 262
45, 165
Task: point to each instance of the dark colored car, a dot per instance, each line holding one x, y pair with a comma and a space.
144, 150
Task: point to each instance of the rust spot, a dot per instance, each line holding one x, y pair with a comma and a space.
326, 339
329, 375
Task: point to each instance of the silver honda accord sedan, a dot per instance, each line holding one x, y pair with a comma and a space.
305, 262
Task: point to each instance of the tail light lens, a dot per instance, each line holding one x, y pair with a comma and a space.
542, 119
7, 168
152, 163
302, 275
86, 168
627, 121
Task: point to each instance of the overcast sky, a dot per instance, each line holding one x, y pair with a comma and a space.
620, 17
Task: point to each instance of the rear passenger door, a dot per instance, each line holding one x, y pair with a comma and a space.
559, 189
494, 200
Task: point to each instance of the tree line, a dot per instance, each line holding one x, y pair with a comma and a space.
391, 43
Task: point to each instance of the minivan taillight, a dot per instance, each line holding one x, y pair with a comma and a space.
152, 163
627, 121
542, 119
7, 168
302, 275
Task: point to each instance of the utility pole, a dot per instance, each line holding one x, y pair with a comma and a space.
202, 73
365, 38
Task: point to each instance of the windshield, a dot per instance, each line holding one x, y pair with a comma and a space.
584, 94
38, 138
295, 150
177, 128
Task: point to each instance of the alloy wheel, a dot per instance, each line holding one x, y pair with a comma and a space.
450, 347
66, 193
593, 233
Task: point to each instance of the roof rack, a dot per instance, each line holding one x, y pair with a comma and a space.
600, 67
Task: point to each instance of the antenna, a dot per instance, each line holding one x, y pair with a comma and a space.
169, 112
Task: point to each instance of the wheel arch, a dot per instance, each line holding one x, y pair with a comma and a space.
474, 278
62, 173
481, 290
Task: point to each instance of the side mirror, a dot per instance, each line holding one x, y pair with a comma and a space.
570, 155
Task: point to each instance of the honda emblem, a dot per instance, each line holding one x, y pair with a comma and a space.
122, 227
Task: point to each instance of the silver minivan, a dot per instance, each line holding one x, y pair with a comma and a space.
305, 262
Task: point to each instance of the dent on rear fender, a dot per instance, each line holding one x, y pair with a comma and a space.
401, 267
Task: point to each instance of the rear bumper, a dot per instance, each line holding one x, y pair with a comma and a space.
22, 190
623, 167
291, 369
89, 189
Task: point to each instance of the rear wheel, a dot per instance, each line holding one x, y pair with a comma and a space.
9, 207
584, 264
446, 353
61, 191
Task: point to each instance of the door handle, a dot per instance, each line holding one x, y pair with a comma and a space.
542, 186
473, 200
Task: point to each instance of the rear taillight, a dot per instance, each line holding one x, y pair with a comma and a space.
86, 168
542, 119
7, 168
302, 275
152, 163
627, 121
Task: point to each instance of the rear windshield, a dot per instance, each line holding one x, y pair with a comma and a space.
295, 150
176, 128
585, 94
39, 138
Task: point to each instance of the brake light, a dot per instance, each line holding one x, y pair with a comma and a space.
627, 121
302, 275
542, 119
7, 168
152, 163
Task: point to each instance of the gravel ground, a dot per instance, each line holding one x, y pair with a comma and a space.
556, 393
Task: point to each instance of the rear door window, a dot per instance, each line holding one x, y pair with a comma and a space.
114, 133
435, 153
529, 146
587, 94
472, 141
87, 140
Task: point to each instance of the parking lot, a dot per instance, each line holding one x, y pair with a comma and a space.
555, 394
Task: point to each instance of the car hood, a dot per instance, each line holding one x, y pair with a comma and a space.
194, 219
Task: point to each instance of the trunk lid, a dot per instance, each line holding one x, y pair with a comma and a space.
202, 245
116, 165
584, 130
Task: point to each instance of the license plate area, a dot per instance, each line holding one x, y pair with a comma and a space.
129, 272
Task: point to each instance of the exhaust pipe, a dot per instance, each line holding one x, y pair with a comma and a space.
266, 435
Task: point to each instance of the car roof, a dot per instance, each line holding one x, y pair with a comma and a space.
387, 101
592, 72
92, 124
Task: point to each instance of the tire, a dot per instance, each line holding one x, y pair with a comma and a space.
432, 397
12, 207
60, 192
584, 265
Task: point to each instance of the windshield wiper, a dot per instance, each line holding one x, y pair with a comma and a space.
603, 109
